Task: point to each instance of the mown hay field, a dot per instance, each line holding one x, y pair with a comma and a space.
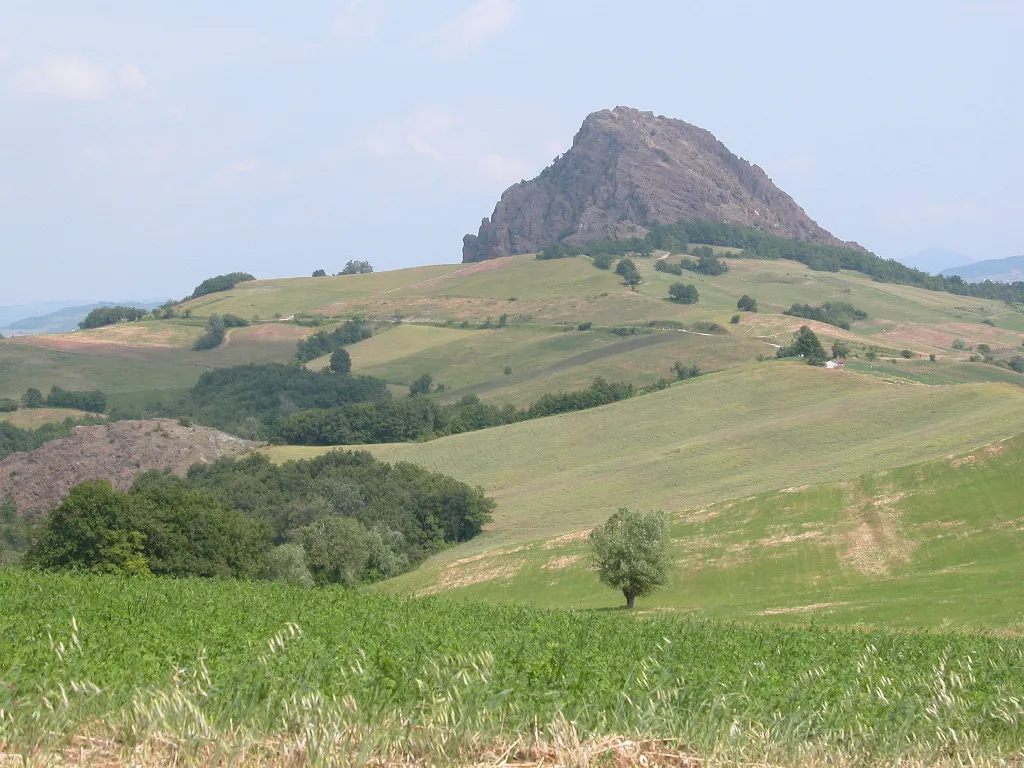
725, 435
932, 546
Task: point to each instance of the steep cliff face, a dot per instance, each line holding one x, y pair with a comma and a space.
627, 170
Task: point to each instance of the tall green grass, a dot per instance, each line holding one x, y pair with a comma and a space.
239, 666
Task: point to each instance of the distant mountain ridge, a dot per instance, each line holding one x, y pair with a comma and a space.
65, 319
934, 260
1008, 270
627, 170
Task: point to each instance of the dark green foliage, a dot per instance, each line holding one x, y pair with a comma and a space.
191, 533
325, 342
8, 405
840, 350
249, 399
735, 319
585, 326
14, 439
907, 354
93, 400
684, 372
626, 269
707, 326
356, 267
683, 294
419, 418
410, 512
159, 527
838, 313
336, 550
102, 316
319, 273
987, 321
554, 251
234, 321
220, 283
629, 330
671, 268
959, 344
95, 528
421, 386
507, 371
214, 336
806, 345
33, 398
871, 353
1016, 364
341, 361
746, 304
985, 349
707, 263
603, 260
931, 357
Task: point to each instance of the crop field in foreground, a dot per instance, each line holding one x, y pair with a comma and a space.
158, 671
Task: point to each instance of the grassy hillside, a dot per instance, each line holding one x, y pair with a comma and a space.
134, 360
935, 545
742, 431
107, 671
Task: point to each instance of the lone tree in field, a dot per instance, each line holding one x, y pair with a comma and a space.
746, 304
683, 294
631, 552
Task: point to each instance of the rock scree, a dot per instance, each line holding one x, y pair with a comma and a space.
117, 452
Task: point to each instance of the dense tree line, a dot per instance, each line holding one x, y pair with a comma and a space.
249, 399
341, 518
760, 245
325, 342
419, 418
220, 283
102, 316
838, 313
92, 400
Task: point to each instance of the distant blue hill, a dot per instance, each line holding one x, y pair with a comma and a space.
1008, 270
64, 319
933, 260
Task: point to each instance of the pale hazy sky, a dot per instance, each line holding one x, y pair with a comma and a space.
145, 146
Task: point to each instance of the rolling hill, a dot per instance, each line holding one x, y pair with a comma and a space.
744, 431
430, 320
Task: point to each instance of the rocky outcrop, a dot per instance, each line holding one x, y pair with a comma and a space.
117, 452
628, 170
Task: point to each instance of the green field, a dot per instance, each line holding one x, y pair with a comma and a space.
159, 671
935, 545
724, 436
31, 418
541, 360
136, 363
